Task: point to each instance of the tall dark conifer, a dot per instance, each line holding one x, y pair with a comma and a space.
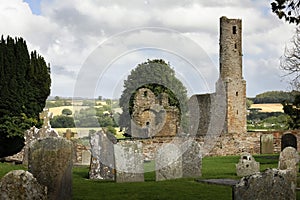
24, 88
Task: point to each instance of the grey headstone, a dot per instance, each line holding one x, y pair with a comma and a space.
247, 165
271, 184
288, 140
21, 185
102, 161
191, 159
129, 161
86, 157
288, 160
168, 162
266, 144
50, 162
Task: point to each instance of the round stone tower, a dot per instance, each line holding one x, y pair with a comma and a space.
231, 74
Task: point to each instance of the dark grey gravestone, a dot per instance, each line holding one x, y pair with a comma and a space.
50, 162
103, 161
288, 140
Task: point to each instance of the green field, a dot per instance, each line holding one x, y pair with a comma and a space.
213, 167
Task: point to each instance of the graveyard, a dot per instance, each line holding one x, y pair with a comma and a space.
187, 188
159, 156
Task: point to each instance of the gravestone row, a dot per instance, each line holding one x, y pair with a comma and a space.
124, 161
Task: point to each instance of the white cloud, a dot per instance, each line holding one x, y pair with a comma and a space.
67, 31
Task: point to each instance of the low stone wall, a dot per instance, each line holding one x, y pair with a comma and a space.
227, 144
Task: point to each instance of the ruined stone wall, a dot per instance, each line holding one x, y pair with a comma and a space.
200, 113
153, 115
227, 144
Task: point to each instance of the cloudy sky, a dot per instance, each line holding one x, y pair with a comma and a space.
92, 45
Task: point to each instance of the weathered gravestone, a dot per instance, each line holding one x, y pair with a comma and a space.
29, 136
46, 130
266, 144
191, 159
168, 162
129, 161
21, 185
33, 134
247, 165
288, 160
288, 140
50, 161
103, 161
271, 184
85, 157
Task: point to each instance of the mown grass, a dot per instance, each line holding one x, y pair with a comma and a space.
186, 188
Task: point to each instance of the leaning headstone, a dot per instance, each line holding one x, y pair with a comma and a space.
21, 185
50, 162
129, 161
102, 164
288, 140
271, 184
168, 162
247, 165
266, 144
191, 159
288, 160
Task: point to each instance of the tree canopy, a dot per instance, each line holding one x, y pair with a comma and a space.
293, 110
287, 9
24, 87
159, 77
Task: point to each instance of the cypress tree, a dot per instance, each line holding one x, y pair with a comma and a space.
24, 87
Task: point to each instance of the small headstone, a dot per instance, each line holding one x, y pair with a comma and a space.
191, 160
288, 140
50, 162
20, 184
168, 162
247, 165
271, 184
288, 160
266, 144
86, 157
102, 164
129, 161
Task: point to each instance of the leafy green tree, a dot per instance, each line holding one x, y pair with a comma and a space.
159, 77
24, 87
287, 9
62, 121
66, 112
293, 110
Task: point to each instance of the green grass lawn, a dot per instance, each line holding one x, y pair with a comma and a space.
213, 167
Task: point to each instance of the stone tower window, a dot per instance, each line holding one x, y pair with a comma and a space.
237, 112
236, 93
235, 46
145, 94
234, 30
